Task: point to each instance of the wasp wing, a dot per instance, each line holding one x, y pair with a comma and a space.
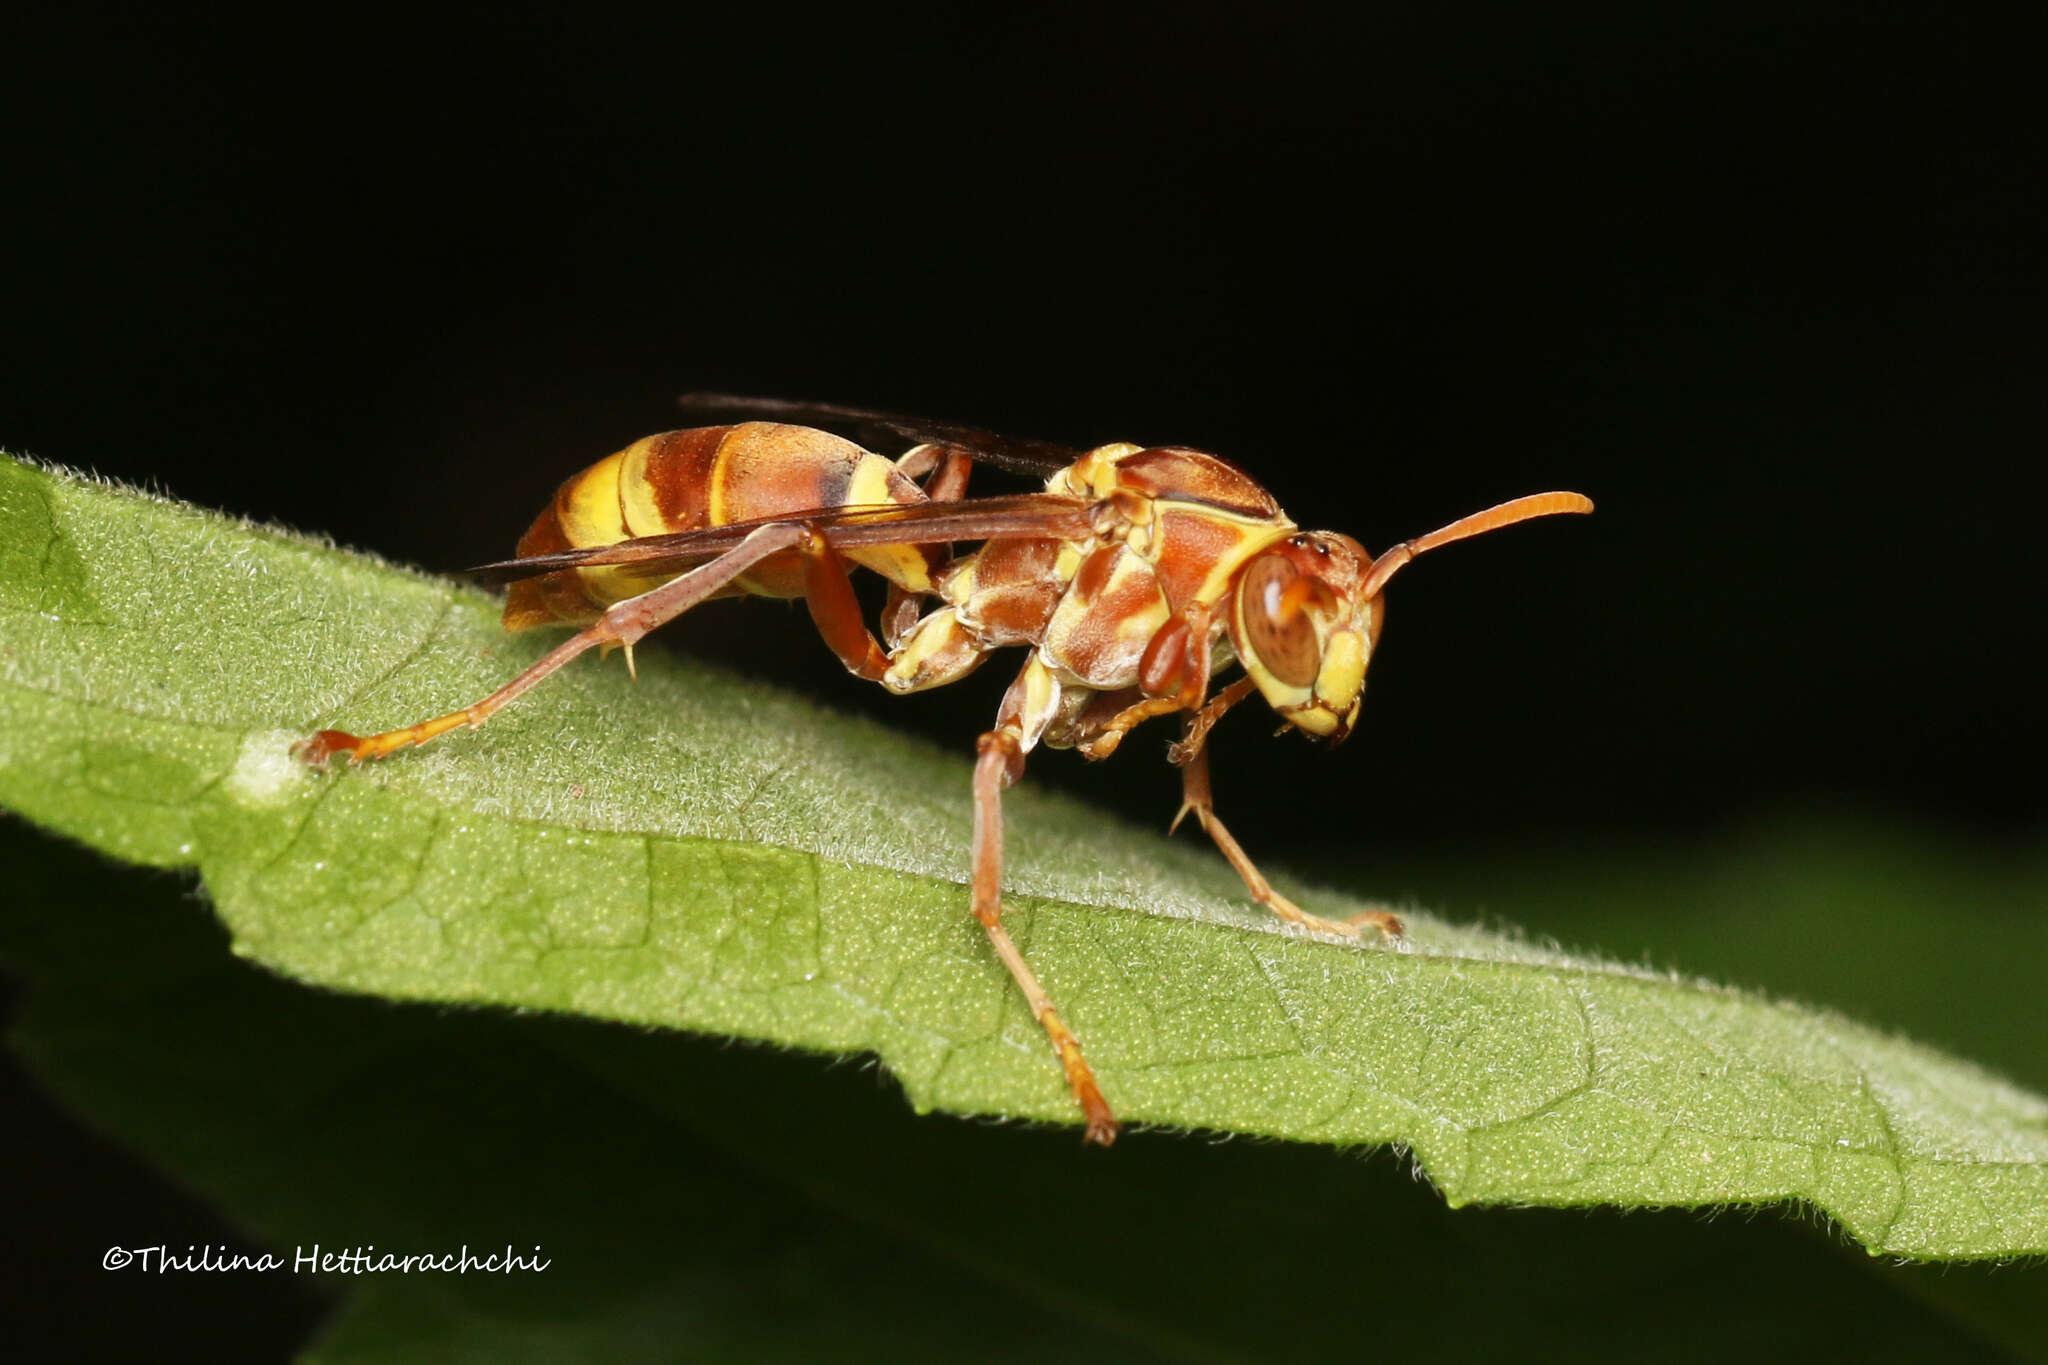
1019, 456
1022, 516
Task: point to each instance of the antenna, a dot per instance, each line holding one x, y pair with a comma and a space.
1479, 523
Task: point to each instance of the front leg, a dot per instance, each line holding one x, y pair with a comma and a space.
1104, 741
1195, 796
1173, 674
1201, 723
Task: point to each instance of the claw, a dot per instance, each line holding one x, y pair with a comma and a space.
1101, 747
325, 745
1389, 925
1294, 914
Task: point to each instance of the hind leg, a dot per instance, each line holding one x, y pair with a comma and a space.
624, 623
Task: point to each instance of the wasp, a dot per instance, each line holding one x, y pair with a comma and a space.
1134, 579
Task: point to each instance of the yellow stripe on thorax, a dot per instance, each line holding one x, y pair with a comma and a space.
1257, 536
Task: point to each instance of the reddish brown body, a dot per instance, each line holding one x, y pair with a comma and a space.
703, 477
1136, 576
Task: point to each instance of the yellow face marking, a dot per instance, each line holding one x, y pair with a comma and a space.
1343, 671
1339, 686
1281, 696
1315, 721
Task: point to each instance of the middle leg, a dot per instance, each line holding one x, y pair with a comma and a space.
1000, 760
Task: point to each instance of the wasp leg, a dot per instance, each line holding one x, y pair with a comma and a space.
949, 483
1174, 674
900, 614
999, 763
624, 623
1195, 796
1199, 726
828, 592
1105, 741
901, 611
935, 650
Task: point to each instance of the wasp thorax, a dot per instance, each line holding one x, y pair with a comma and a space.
1303, 632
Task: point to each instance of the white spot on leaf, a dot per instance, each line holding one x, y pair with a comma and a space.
265, 773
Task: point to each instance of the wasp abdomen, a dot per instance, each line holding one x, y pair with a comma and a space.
701, 477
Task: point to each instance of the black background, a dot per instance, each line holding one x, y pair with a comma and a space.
1764, 281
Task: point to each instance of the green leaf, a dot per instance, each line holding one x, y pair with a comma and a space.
703, 854
707, 1202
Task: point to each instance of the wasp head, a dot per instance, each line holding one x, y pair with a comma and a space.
1307, 612
1305, 631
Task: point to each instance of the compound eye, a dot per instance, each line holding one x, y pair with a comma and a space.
1278, 629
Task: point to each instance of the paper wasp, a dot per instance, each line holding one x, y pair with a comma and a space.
1137, 576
